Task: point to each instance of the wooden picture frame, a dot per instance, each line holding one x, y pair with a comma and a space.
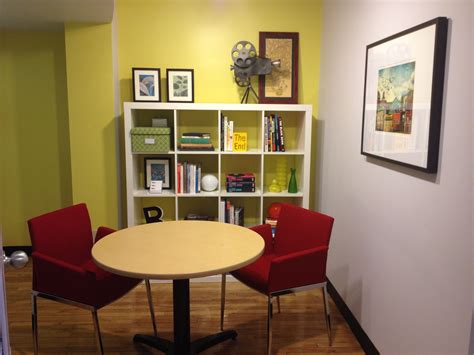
281, 86
146, 84
158, 168
180, 84
403, 96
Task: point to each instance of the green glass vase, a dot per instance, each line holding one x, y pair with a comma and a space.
292, 187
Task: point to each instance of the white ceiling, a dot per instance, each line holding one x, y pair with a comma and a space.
51, 14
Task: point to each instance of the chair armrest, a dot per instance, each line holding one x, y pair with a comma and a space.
45, 262
102, 232
265, 231
297, 269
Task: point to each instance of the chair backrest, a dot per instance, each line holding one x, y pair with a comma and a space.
299, 229
65, 234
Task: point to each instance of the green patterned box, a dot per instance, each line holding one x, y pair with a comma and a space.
150, 139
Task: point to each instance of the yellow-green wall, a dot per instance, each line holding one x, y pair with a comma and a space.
34, 135
91, 120
200, 34
76, 161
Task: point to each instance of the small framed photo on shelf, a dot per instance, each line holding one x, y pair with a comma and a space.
281, 86
146, 84
180, 84
403, 96
158, 169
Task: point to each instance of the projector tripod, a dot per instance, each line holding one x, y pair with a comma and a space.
247, 93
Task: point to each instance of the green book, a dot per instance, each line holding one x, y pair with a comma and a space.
195, 140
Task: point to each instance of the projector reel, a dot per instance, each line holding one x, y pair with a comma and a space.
244, 54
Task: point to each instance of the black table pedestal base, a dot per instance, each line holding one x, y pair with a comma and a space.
196, 346
182, 344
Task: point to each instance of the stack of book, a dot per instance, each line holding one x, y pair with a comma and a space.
274, 134
230, 213
189, 178
195, 141
198, 217
240, 182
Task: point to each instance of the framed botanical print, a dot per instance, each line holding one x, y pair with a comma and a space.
281, 86
146, 84
403, 96
180, 85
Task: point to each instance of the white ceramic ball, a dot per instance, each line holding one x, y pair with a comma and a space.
209, 182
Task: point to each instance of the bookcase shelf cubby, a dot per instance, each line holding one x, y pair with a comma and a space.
250, 118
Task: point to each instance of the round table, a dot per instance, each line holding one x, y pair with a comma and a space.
179, 251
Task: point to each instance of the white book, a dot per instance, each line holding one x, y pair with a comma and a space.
222, 211
231, 136
226, 128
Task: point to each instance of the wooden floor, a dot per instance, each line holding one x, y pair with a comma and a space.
298, 329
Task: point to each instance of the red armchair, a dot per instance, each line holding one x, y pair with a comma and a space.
293, 261
63, 269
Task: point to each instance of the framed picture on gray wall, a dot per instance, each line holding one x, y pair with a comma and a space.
403, 96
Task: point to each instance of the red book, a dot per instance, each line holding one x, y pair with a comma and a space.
240, 177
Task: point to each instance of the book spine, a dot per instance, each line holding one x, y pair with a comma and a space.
227, 209
185, 177
277, 134
265, 134
196, 134
195, 140
240, 184
231, 136
222, 133
282, 140
196, 145
240, 189
178, 177
240, 180
222, 210
226, 132
231, 214
194, 148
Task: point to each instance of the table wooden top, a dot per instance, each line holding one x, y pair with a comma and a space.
178, 249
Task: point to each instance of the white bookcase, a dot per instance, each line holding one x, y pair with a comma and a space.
187, 117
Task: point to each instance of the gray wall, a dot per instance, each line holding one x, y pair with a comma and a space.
401, 252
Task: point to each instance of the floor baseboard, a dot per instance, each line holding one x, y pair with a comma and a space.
353, 323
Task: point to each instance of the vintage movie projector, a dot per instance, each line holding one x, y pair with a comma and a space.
246, 64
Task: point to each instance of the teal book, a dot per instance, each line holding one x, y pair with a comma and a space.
195, 140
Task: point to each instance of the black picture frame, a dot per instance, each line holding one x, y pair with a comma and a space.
144, 79
164, 166
180, 85
403, 96
281, 86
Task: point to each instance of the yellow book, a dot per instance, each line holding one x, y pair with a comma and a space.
240, 142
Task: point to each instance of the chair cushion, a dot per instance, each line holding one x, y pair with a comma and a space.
256, 274
96, 287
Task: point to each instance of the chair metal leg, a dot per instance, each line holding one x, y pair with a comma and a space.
150, 305
278, 304
223, 300
269, 325
34, 322
95, 318
327, 313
